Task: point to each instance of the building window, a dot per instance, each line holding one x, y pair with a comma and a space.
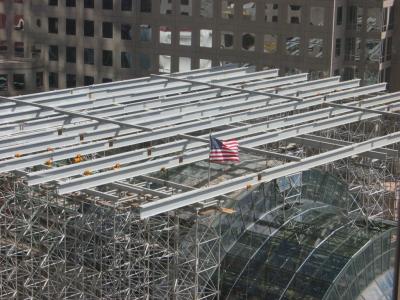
270, 43
227, 9
317, 16
19, 82
354, 18
315, 47
107, 30
388, 49
248, 41
39, 79
249, 10
53, 2
165, 35
165, 7
88, 56
373, 49
145, 33
3, 82
105, 80
293, 45
205, 63
53, 80
206, 36
126, 32
271, 13
185, 64
108, 4
71, 55
88, 4
294, 14
145, 6
164, 64
144, 61
126, 60
53, 25
374, 20
3, 21
70, 3
3, 46
107, 58
352, 49
88, 80
186, 8
70, 26
53, 53
185, 37
71, 80
339, 15
206, 9
227, 40
88, 28
126, 5
338, 47
19, 49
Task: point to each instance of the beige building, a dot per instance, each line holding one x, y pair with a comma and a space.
51, 44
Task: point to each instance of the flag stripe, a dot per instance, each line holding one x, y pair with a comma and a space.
223, 151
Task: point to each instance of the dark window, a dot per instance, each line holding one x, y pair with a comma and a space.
19, 49
105, 80
88, 4
53, 25
3, 82
88, 28
53, 2
126, 4
70, 3
71, 55
19, 81
88, 56
126, 60
107, 30
339, 16
145, 6
107, 4
39, 79
338, 47
107, 58
126, 32
71, 80
70, 26
53, 80
88, 80
3, 20
53, 52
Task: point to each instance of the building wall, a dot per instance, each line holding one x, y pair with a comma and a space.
174, 35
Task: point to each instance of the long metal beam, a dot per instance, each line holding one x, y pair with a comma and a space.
194, 156
191, 197
164, 149
207, 123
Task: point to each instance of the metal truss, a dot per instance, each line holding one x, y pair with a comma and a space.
104, 192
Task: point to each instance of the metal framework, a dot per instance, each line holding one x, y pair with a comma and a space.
88, 204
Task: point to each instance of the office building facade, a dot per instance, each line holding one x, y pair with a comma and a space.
55, 44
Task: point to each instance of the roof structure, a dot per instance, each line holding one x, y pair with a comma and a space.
82, 139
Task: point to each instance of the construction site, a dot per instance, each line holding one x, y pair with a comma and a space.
107, 191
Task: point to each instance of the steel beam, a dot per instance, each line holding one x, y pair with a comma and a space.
191, 197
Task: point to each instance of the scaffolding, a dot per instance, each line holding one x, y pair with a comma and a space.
105, 190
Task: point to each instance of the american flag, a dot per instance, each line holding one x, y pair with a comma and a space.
224, 151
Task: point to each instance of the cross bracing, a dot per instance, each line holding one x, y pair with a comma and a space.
122, 166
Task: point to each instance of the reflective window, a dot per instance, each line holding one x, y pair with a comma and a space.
293, 45
373, 50
19, 81
185, 7
126, 32
271, 12
227, 40
206, 38
165, 35
206, 8
3, 82
107, 58
227, 9
126, 5
164, 64
248, 41
145, 33
317, 16
294, 14
315, 47
185, 64
144, 61
185, 37
165, 7
126, 60
374, 22
205, 63
270, 43
249, 10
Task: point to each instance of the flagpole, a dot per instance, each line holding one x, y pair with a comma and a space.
209, 160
